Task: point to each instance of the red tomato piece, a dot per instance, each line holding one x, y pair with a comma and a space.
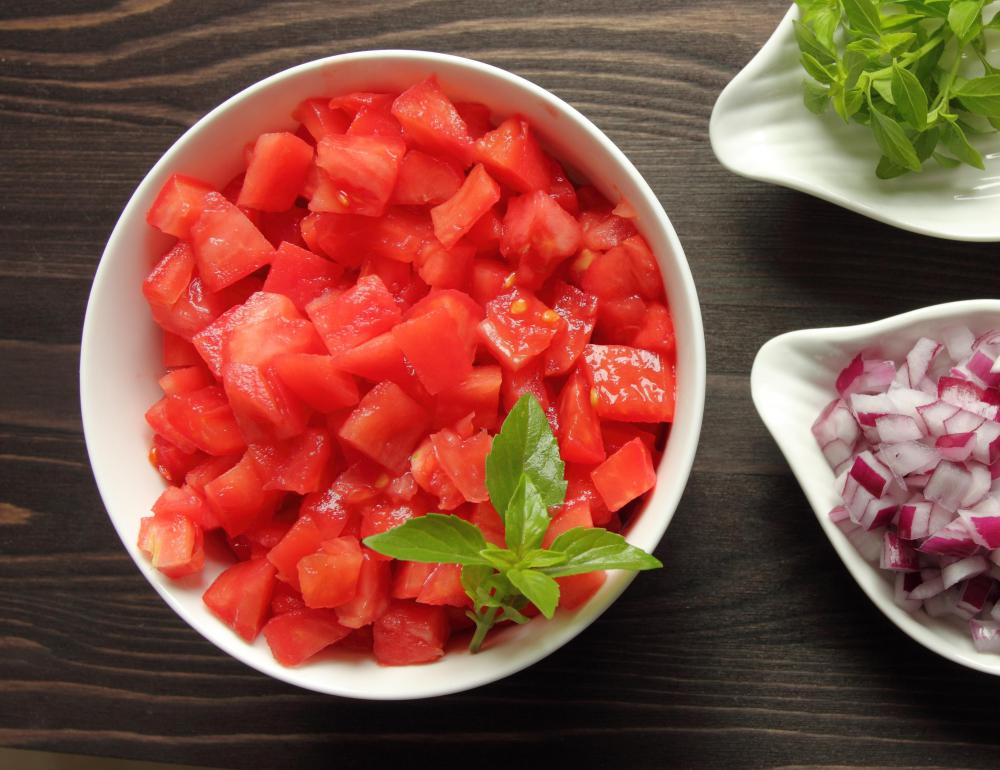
178, 205
579, 311
478, 394
362, 312
518, 327
619, 320
408, 633
330, 577
618, 434
320, 119
317, 381
159, 420
629, 384
562, 190
170, 277
241, 597
431, 121
204, 418
177, 351
408, 578
579, 426
197, 307
610, 275
580, 488
372, 596
577, 590
281, 226
385, 515
602, 232
264, 408
380, 358
304, 538
276, 172
297, 465
527, 379
226, 244
336, 236
485, 235
456, 216
285, 599
464, 461
444, 587
538, 234
644, 267
173, 543
400, 234
442, 268
238, 498
425, 180
296, 636
431, 477
185, 379
626, 475
376, 120
398, 277
488, 520
361, 170
435, 347
210, 468
171, 461
569, 517
301, 275
489, 279
476, 117
386, 425
512, 154
657, 331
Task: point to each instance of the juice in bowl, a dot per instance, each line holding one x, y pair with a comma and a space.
356, 297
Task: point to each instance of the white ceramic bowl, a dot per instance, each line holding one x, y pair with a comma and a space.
761, 129
792, 380
120, 356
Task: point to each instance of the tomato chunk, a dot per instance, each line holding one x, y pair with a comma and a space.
579, 311
238, 498
432, 478
178, 205
386, 425
297, 465
205, 420
276, 172
434, 345
512, 154
320, 119
372, 596
170, 277
296, 636
317, 381
538, 234
569, 517
173, 543
626, 475
409, 633
579, 426
356, 316
171, 461
657, 331
464, 460
456, 216
241, 596
518, 327
577, 590
226, 244
478, 394
424, 179
431, 121
408, 578
264, 408
444, 587
301, 275
629, 384
304, 538
360, 171
330, 578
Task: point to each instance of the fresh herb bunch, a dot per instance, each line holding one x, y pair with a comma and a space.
524, 476
894, 66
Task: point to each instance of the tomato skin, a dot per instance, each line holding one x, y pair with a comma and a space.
264, 408
372, 596
569, 517
457, 215
238, 498
632, 385
385, 425
409, 633
304, 538
330, 577
657, 331
170, 277
476, 117
296, 636
512, 154
178, 205
431, 121
359, 314
227, 246
464, 461
171, 461
296, 465
186, 501
177, 351
301, 275
241, 596
538, 234
173, 543
408, 578
562, 190
380, 358
579, 312
320, 119
626, 475
276, 172
360, 172
425, 180
435, 347
316, 380
205, 420
444, 587
478, 394
518, 327
577, 590
429, 474
580, 438
488, 520
375, 119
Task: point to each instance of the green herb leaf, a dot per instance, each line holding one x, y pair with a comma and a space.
473, 576
540, 557
909, 97
597, 549
817, 70
863, 16
893, 141
925, 143
432, 539
853, 65
541, 590
901, 20
954, 139
525, 444
886, 169
815, 97
527, 518
946, 161
896, 43
994, 23
981, 95
810, 44
965, 19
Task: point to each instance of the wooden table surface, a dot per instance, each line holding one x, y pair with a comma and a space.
753, 648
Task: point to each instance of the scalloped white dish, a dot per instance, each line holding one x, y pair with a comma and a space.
761, 129
792, 380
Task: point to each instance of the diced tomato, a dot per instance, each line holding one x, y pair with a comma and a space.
276, 172
355, 101
399, 278
408, 578
579, 426
177, 351
435, 347
424, 179
265, 409
359, 314
626, 475
170, 277
285, 599
601, 232
301, 275
296, 636
372, 596
610, 275
619, 320
518, 327
186, 501
631, 385
241, 596
644, 267
238, 498
456, 216
361, 171
431, 477
328, 510
489, 279
512, 154
527, 379
431, 121
178, 205
577, 590
442, 268
205, 419
210, 468
375, 119
283, 226
380, 358
408, 633
171, 461
538, 234
330, 577
579, 311
320, 118
197, 307
303, 539
562, 190
485, 235
580, 488
478, 394
386, 425
173, 543
464, 461
476, 117
226, 244
444, 587
618, 434
569, 517
488, 520
317, 381
657, 331
185, 379
336, 236
296, 465
400, 234
266, 533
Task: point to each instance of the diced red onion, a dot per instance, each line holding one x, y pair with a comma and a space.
979, 485
964, 569
981, 365
909, 457
919, 359
897, 555
958, 341
893, 428
931, 585
934, 414
948, 485
870, 473
968, 396
954, 447
985, 635
904, 583
914, 520
952, 540
976, 592
983, 527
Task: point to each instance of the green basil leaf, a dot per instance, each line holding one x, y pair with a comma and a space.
540, 557
947, 161
901, 20
981, 95
932, 8
512, 614
500, 558
527, 517
525, 445
810, 44
909, 97
815, 97
896, 43
473, 576
541, 590
853, 65
954, 139
432, 539
863, 16
865, 45
965, 19
886, 169
893, 141
816, 70
590, 549
994, 23
884, 89
925, 143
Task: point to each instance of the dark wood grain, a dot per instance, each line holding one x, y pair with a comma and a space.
752, 649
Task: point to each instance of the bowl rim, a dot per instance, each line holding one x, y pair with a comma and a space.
859, 568
685, 452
